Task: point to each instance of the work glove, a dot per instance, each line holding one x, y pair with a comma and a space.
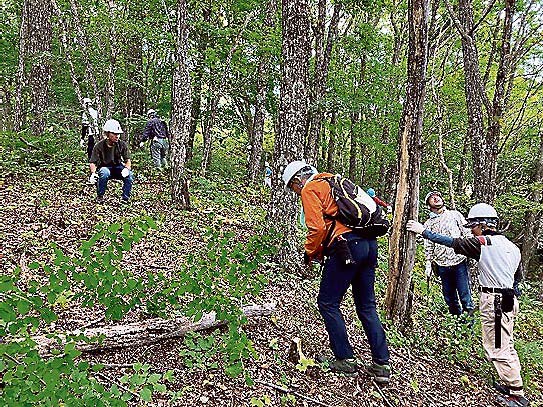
142, 143
415, 227
307, 259
93, 179
82, 143
389, 209
125, 172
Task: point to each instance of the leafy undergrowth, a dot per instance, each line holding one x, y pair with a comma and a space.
45, 201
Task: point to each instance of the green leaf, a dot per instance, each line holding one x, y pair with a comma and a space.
145, 394
23, 307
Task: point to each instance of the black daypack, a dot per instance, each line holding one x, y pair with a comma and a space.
357, 210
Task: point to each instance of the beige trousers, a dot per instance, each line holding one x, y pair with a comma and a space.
505, 358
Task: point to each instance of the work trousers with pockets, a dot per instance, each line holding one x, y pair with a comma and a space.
504, 358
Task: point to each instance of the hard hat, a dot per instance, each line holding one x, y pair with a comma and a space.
482, 213
113, 126
87, 100
151, 112
429, 194
291, 170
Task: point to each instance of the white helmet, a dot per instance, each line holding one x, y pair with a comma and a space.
112, 126
291, 170
429, 194
87, 101
151, 112
482, 213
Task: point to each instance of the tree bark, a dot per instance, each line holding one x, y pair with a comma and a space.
35, 52
145, 332
110, 87
181, 112
322, 63
254, 164
135, 98
293, 107
402, 245
533, 218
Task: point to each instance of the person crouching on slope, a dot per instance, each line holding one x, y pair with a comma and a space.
500, 269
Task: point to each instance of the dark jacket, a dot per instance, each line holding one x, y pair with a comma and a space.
155, 127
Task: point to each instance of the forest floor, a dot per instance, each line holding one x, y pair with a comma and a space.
46, 200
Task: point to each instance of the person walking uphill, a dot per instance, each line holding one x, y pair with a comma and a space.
452, 268
500, 269
111, 159
156, 131
349, 260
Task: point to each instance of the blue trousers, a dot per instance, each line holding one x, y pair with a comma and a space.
105, 173
336, 279
455, 286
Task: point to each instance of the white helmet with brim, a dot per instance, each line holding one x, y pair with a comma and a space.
112, 126
482, 213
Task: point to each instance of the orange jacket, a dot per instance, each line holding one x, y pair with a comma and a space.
317, 201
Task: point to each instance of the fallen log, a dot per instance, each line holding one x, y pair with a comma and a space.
142, 333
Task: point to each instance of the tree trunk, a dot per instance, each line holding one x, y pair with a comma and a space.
135, 98
353, 145
67, 52
331, 143
181, 108
254, 164
402, 244
495, 118
533, 218
89, 67
322, 63
110, 87
215, 97
203, 40
145, 332
289, 141
19, 111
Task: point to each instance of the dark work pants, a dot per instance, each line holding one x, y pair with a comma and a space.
336, 279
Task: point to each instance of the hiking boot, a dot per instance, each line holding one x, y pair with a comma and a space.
513, 401
380, 373
100, 199
503, 389
345, 366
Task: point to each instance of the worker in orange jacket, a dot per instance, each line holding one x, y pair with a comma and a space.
349, 260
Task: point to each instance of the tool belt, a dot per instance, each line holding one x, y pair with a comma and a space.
503, 302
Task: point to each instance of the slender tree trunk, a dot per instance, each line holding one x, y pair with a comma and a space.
331, 143
18, 119
353, 151
110, 87
203, 40
181, 109
495, 119
402, 244
67, 52
135, 98
215, 97
293, 118
532, 226
254, 164
322, 63
89, 67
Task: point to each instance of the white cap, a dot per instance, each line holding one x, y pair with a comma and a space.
87, 100
151, 112
113, 126
291, 170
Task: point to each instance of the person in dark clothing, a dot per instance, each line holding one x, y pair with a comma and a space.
500, 270
110, 158
156, 131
